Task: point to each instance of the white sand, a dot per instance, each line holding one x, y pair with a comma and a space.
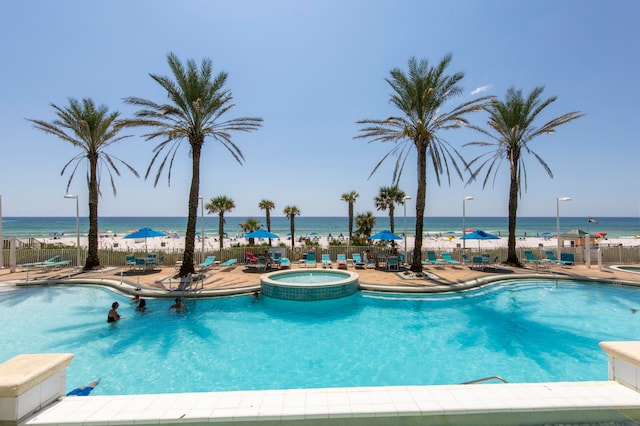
212, 244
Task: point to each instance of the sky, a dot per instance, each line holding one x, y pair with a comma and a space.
311, 69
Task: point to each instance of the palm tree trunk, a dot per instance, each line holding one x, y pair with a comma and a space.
268, 214
192, 217
392, 223
221, 230
93, 261
292, 227
350, 219
512, 257
416, 263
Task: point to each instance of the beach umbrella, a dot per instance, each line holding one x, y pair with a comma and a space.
145, 233
480, 235
261, 233
385, 235
600, 234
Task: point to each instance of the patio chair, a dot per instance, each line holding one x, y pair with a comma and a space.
568, 259
276, 260
393, 264
370, 261
207, 264
326, 260
130, 261
431, 256
530, 258
285, 263
357, 261
342, 261
450, 260
477, 262
311, 259
229, 264
552, 258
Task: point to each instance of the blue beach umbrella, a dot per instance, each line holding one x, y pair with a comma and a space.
479, 235
145, 233
261, 233
385, 235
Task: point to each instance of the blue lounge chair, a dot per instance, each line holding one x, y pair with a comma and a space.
552, 258
567, 259
529, 257
311, 259
276, 260
34, 264
477, 262
326, 260
231, 263
208, 263
432, 260
450, 260
393, 264
285, 263
131, 261
357, 260
54, 265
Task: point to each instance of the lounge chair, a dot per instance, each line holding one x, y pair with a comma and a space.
530, 258
370, 261
326, 260
342, 261
34, 264
251, 260
231, 263
131, 261
431, 256
285, 263
393, 263
357, 261
207, 264
450, 260
477, 262
276, 260
311, 259
465, 258
552, 258
567, 258
54, 265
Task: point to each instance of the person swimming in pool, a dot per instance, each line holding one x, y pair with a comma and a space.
178, 306
142, 305
113, 315
84, 390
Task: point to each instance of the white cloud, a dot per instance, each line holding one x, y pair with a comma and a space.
481, 89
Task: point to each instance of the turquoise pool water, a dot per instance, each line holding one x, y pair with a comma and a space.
524, 331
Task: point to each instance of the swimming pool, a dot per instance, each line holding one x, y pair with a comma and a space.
524, 331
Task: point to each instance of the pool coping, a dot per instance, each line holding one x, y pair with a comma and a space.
476, 404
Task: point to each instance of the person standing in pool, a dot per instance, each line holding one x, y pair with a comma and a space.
142, 305
178, 306
113, 315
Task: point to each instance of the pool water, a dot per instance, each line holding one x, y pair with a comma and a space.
524, 331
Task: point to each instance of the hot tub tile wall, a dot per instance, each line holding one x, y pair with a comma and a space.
308, 294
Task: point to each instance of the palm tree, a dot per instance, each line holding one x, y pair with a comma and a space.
512, 123
197, 104
388, 197
421, 97
350, 198
267, 206
291, 212
365, 223
221, 204
250, 225
92, 130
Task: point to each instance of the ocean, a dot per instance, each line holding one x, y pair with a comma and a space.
44, 227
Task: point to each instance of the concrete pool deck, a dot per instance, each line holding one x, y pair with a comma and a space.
476, 404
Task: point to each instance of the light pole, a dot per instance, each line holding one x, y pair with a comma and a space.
404, 204
77, 225
1, 239
202, 224
558, 221
464, 213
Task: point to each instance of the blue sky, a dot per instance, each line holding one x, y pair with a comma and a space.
311, 69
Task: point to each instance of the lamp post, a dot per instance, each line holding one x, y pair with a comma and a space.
77, 225
201, 198
464, 213
1, 238
404, 204
558, 221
